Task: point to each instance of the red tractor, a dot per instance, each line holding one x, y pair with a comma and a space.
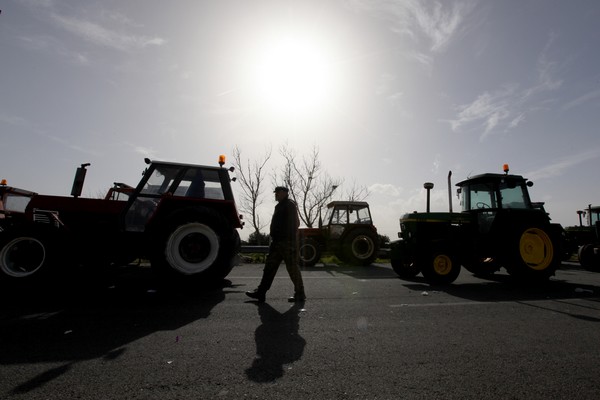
181, 217
348, 233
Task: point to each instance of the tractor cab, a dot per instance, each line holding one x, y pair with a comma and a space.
13, 200
486, 196
342, 213
593, 215
167, 186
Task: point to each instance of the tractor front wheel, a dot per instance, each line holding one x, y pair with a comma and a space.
588, 258
439, 267
24, 256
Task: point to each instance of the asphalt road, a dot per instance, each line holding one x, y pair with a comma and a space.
362, 334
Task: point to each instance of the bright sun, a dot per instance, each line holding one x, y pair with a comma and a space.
293, 76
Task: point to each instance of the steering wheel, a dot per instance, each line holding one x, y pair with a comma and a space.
481, 205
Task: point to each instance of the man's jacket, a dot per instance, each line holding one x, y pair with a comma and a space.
285, 221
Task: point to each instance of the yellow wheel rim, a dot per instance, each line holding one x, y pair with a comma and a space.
442, 264
536, 249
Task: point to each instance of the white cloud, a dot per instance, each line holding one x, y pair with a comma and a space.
385, 189
505, 108
558, 167
145, 151
97, 34
438, 22
593, 95
51, 45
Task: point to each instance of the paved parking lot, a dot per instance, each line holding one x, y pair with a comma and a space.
363, 333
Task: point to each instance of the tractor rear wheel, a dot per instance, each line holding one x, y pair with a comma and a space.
197, 243
482, 267
439, 267
588, 258
309, 253
360, 247
404, 270
532, 254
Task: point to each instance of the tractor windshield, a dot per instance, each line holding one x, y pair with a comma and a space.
16, 203
478, 196
13, 200
186, 182
513, 195
360, 215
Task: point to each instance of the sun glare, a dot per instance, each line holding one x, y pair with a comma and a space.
293, 76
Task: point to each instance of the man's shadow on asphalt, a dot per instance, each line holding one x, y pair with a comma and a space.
277, 342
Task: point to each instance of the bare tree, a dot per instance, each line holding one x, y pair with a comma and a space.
251, 176
310, 186
357, 193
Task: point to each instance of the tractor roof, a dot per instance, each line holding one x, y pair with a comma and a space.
17, 191
490, 178
168, 163
352, 204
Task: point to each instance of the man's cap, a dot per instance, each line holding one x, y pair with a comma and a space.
281, 189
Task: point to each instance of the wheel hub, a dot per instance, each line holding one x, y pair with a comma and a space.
536, 249
442, 264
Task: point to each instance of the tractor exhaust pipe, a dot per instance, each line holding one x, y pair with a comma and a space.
450, 190
78, 181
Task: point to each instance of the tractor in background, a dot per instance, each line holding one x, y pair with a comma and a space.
498, 226
347, 231
586, 238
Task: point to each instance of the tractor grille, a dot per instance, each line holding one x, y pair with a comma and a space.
46, 217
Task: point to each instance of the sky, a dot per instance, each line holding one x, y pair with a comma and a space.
393, 93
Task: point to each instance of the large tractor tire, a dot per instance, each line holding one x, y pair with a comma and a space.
588, 258
197, 243
360, 247
405, 270
309, 253
439, 266
533, 254
482, 267
25, 256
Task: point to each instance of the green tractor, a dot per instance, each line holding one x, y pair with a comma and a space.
498, 227
347, 232
586, 238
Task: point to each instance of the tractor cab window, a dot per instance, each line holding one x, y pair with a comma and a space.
513, 195
594, 216
160, 181
479, 196
16, 203
200, 183
360, 216
191, 182
144, 205
340, 216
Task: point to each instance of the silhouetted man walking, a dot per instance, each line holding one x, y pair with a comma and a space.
284, 247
